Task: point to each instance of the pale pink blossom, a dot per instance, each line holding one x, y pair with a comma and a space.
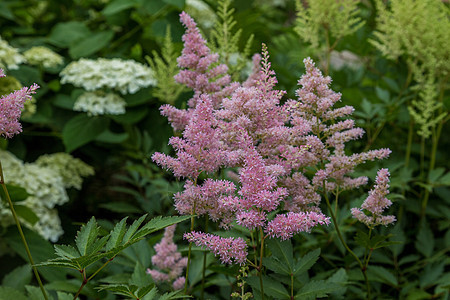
230, 250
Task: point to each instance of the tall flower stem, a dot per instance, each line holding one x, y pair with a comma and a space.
336, 226
204, 262
19, 227
189, 255
260, 262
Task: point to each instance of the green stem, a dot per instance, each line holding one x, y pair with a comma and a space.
19, 228
85, 281
409, 143
260, 262
292, 286
333, 217
189, 256
204, 262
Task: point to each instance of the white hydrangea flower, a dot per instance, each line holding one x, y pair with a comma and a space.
126, 76
71, 169
202, 13
100, 103
10, 57
43, 56
46, 186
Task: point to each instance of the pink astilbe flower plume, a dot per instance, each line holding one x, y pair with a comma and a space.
376, 203
11, 107
286, 226
230, 250
168, 261
200, 148
200, 72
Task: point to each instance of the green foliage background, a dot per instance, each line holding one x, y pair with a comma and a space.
382, 89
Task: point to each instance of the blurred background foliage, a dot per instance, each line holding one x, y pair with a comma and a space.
394, 85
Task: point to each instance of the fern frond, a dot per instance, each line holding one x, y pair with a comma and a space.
165, 67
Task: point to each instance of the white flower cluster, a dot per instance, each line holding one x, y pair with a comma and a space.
43, 56
10, 57
46, 181
71, 169
126, 76
100, 103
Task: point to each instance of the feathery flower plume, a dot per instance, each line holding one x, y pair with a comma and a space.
169, 261
376, 203
11, 108
230, 250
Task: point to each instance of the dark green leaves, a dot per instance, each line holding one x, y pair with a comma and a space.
90, 247
81, 130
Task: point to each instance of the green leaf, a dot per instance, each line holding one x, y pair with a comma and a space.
445, 180
121, 207
64, 296
86, 236
282, 250
435, 174
425, 240
382, 94
65, 34
81, 130
117, 6
64, 101
132, 116
362, 239
315, 289
112, 137
26, 213
275, 265
271, 287
65, 251
8, 293
91, 44
16, 193
139, 277
5, 12
177, 3
116, 235
381, 274
306, 261
133, 228
18, 278
431, 274
341, 278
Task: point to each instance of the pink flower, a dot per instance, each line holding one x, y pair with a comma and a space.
230, 250
376, 203
167, 260
11, 108
286, 226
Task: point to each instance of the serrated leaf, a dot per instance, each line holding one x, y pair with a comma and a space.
66, 251
118, 289
282, 250
275, 265
64, 296
133, 228
362, 239
159, 223
381, 274
445, 180
18, 278
271, 287
143, 291
341, 278
139, 277
425, 240
382, 94
86, 236
8, 293
116, 235
306, 261
314, 289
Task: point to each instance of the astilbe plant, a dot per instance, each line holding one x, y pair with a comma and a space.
169, 261
288, 155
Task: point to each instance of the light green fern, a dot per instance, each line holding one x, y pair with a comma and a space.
419, 32
325, 22
165, 67
226, 43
